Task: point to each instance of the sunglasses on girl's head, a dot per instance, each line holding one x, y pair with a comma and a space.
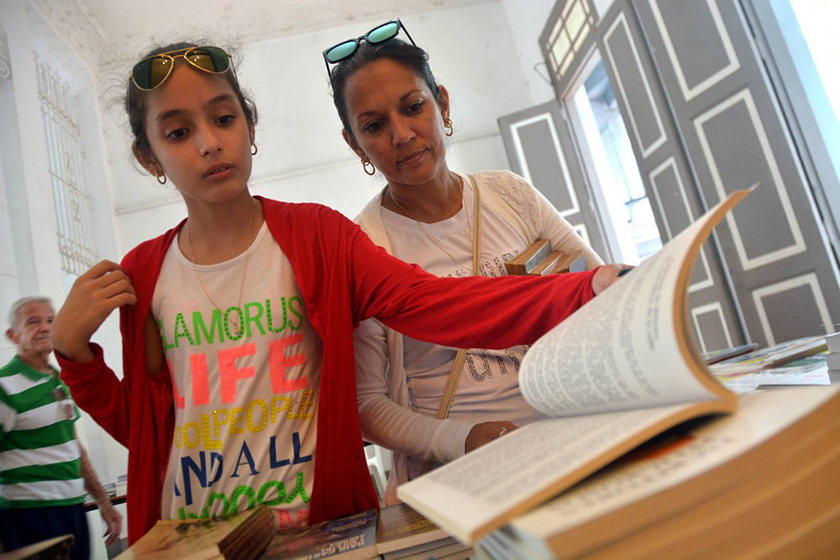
151, 72
378, 34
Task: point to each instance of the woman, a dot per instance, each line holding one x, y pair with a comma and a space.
396, 119
238, 380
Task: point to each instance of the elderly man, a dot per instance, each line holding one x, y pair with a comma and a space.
44, 470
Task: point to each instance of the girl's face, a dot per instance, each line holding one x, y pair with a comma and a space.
397, 123
199, 136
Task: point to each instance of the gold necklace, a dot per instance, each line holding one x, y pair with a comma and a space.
419, 223
244, 272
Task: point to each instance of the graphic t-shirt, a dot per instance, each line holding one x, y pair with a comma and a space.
489, 386
246, 374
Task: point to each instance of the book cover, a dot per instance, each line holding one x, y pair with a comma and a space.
524, 262
242, 536
402, 527
347, 538
772, 356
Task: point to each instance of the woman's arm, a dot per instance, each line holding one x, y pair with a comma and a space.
389, 424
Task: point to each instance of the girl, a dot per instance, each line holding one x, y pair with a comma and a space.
396, 119
238, 380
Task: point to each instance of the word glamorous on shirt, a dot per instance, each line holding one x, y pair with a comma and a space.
256, 318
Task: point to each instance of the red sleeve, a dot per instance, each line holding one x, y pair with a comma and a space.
472, 312
96, 390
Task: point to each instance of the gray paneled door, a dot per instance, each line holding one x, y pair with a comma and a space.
734, 135
666, 173
540, 149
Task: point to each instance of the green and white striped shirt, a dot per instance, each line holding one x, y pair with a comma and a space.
40, 461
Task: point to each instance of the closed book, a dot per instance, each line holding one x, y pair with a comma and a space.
347, 538
573, 262
832, 360
548, 264
833, 342
401, 527
241, 536
524, 262
772, 356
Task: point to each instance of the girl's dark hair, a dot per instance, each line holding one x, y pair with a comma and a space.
410, 56
135, 100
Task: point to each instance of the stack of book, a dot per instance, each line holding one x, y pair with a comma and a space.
832, 359
348, 538
763, 482
396, 533
540, 260
772, 356
728, 476
121, 485
404, 534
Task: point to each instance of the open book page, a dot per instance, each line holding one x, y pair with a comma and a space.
479, 492
630, 346
705, 447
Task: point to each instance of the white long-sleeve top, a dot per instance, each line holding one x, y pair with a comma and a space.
400, 380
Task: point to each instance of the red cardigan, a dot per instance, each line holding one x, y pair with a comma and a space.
344, 278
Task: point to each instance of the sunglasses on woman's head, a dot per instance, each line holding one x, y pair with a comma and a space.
378, 34
151, 72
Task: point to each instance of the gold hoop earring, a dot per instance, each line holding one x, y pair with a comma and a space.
158, 177
365, 163
254, 148
447, 124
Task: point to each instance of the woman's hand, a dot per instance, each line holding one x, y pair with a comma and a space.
485, 433
607, 275
94, 295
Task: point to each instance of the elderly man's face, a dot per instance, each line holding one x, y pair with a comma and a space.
31, 333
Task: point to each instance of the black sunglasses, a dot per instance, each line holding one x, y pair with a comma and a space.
378, 34
151, 72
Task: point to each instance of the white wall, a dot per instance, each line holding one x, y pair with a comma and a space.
527, 19
31, 263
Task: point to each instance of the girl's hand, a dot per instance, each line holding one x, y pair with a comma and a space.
607, 275
485, 433
94, 295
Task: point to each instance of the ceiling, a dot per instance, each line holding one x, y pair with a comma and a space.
114, 30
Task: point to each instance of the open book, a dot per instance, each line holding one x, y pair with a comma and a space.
764, 482
622, 369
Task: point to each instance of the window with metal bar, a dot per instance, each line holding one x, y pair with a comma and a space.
65, 158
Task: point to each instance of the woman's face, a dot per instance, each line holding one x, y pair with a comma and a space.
199, 136
397, 123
